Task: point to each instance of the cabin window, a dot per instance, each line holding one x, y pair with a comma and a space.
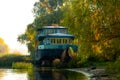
47, 41
43, 32
63, 41
47, 31
59, 41
63, 31
44, 41
70, 41
66, 41
51, 31
55, 30
53, 41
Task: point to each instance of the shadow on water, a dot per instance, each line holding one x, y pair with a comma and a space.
39, 74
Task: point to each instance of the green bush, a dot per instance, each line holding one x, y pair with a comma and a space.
22, 65
56, 63
113, 68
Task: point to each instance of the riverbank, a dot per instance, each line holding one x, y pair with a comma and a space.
93, 74
7, 60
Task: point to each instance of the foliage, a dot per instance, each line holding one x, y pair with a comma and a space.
56, 63
47, 12
3, 46
71, 53
28, 38
113, 68
22, 65
95, 24
7, 59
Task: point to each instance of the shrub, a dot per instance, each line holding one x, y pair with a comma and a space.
113, 68
22, 65
56, 62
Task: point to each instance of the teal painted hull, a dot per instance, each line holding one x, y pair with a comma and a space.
51, 52
64, 46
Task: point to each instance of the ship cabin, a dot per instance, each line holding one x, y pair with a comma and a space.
50, 35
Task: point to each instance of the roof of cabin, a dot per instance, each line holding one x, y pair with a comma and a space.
56, 35
53, 27
59, 34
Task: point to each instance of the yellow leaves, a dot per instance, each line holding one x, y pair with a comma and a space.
97, 48
94, 1
75, 41
56, 62
3, 46
71, 53
1, 40
36, 43
97, 34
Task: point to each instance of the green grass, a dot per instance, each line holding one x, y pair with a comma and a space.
22, 65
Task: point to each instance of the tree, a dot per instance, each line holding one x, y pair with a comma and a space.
46, 12
96, 25
28, 38
3, 46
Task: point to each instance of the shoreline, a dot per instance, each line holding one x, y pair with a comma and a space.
92, 74
88, 75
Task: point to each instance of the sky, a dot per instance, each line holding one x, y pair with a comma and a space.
15, 15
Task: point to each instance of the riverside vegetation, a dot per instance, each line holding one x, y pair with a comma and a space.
15, 61
24, 62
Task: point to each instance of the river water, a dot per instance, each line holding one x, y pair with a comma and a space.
39, 74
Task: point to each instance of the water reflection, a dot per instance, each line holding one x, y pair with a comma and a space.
49, 75
58, 75
10, 74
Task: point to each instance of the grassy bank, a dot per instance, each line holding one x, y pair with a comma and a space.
113, 68
7, 60
22, 65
